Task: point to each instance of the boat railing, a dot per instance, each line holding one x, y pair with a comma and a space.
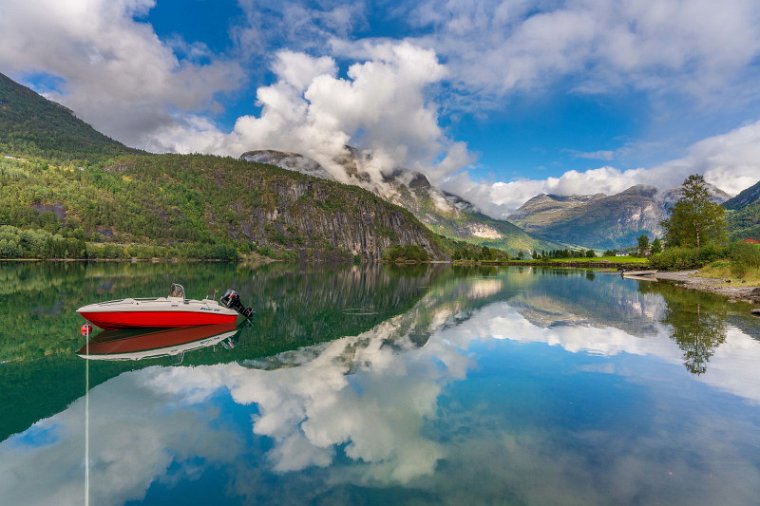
143, 299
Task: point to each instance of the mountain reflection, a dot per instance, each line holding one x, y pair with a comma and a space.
426, 402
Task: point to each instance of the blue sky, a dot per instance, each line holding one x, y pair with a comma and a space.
497, 99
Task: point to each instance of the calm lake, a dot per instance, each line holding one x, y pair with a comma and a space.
383, 385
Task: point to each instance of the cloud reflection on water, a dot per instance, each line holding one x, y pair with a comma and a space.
367, 410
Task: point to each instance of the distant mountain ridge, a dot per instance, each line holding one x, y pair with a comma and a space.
443, 212
744, 214
744, 198
33, 125
601, 221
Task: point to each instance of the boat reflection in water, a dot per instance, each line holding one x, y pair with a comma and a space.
137, 344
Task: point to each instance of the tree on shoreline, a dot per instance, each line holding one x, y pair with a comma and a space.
656, 246
695, 220
643, 245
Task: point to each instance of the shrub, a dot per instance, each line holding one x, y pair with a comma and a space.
687, 258
401, 253
744, 256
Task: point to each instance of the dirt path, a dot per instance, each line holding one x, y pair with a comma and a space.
690, 279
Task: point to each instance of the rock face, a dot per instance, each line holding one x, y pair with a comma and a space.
305, 213
268, 207
444, 213
600, 221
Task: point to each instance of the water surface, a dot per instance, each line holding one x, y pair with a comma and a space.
378, 385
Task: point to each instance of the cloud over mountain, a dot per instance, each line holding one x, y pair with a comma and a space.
116, 73
729, 161
323, 76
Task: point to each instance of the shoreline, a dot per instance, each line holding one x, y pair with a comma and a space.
690, 280
686, 279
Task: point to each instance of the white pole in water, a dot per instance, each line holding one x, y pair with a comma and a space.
87, 425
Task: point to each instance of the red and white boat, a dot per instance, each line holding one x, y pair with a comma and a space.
173, 310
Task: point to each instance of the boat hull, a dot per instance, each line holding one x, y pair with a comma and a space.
156, 319
136, 344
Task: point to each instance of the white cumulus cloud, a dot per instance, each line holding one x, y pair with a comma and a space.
117, 74
497, 47
380, 104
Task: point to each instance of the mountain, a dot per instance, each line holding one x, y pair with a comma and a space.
444, 213
32, 125
743, 214
68, 191
745, 198
543, 210
598, 220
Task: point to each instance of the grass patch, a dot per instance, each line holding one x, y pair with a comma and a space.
586, 260
726, 270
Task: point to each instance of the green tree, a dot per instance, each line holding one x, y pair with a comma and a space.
656, 246
643, 245
695, 220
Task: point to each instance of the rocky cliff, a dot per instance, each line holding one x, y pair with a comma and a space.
444, 213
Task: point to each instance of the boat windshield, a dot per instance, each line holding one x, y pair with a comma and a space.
177, 291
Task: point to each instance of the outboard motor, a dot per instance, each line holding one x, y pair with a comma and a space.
231, 299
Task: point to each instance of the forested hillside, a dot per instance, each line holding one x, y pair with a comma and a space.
67, 191
33, 125
743, 214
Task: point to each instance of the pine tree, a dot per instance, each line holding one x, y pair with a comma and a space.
695, 220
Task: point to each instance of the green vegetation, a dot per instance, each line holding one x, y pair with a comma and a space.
643, 245
675, 258
695, 221
458, 251
745, 222
745, 257
31, 125
185, 206
564, 253
656, 246
466, 252
738, 258
742, 264
409, 253
603, 259
696, 236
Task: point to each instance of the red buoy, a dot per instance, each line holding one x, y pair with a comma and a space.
86, 329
